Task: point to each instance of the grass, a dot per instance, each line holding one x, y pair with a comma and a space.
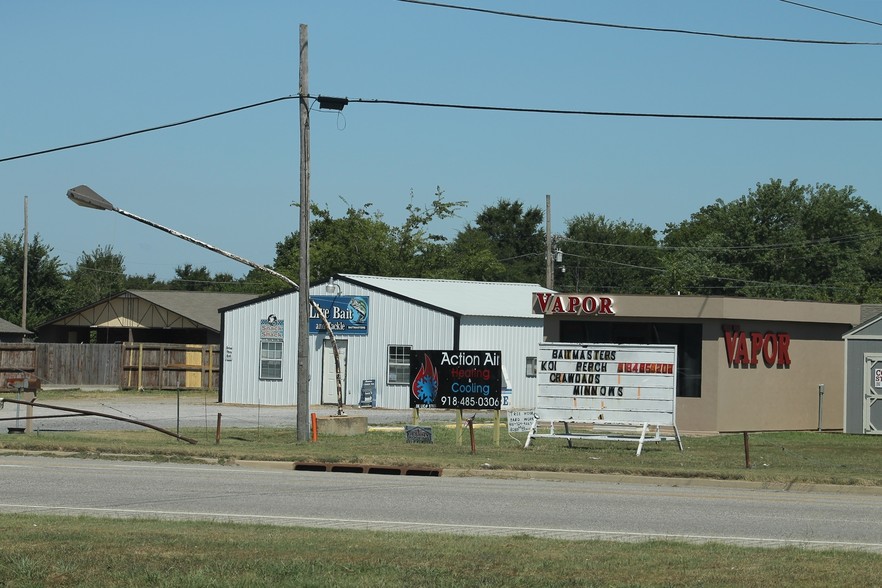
50, 551
782, 458
40, 550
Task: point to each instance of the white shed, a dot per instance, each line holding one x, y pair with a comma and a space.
377, 322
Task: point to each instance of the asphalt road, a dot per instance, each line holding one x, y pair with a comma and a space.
468, 505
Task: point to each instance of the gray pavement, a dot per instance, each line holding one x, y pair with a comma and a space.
169, 412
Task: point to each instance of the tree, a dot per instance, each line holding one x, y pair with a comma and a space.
47, 296
517, 239
471, 256
97, 275
778, 241
601, 255
148, 282
361, 242
423, 254
199, 279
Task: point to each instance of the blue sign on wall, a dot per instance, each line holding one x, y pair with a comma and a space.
347, 315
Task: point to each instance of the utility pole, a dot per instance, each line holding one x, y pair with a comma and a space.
24, 271
549, 254
303, 299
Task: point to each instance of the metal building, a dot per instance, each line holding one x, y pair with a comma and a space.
377, 321
863, 375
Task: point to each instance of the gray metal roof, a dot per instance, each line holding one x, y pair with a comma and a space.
491, 299
200, 307
7, 327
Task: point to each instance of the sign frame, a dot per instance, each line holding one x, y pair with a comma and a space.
348, 315
630, 386
456, 379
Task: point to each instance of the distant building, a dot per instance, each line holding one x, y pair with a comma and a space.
145, 316
10, 333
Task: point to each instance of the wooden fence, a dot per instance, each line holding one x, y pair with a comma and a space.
159, 366
129, 365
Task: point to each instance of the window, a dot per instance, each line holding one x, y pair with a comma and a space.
531, 367
270, 360
686, 336
399, 364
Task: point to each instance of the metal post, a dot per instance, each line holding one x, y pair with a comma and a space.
746, 450
820, 406
549, 260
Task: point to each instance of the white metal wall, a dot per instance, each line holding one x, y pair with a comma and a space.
392, 321
241, 354
517, 339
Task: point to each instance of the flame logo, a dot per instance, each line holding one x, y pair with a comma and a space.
425, 386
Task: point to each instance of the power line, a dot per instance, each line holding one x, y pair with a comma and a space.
149, 130
454, 106
743, 281
616, 114
660, 247
831, 12
633, 27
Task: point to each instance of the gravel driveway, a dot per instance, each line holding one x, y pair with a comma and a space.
167, 412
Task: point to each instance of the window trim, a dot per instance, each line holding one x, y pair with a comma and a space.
402, 349
266, 361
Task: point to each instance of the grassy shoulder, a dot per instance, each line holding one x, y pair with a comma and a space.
793, 457
48, 551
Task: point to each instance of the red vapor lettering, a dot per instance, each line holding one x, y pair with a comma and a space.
744, 351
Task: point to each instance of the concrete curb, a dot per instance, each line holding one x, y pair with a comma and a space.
606, 478
504, 474
667, 482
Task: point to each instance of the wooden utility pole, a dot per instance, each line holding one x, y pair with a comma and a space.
24, 271
303, 299
549, 254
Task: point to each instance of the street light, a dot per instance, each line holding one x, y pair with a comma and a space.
85, 196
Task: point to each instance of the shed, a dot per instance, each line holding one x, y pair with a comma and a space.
10, 333
145, 316
377, 322
863, 375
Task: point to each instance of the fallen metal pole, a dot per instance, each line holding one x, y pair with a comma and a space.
98, 414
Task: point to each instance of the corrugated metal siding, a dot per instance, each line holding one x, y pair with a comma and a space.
392, 322
517, 339
241, 354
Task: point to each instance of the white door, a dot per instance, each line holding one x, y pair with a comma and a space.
329, 371
873, 394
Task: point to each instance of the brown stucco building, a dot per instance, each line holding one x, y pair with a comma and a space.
743, 364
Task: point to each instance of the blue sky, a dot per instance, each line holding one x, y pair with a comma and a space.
76, 71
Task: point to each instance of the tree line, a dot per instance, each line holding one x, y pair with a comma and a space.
780, 240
